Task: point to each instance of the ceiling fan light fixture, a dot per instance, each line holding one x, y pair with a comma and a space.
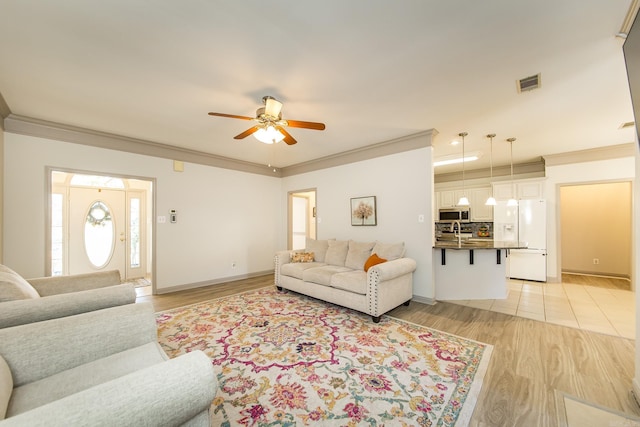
268, 135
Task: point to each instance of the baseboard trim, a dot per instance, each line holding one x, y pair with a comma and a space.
424, 300
186, 286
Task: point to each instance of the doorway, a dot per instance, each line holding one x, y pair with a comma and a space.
302, 218
596, 234
98, 223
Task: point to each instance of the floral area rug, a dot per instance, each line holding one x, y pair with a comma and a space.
284, 359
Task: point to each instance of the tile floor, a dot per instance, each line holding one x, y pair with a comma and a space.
607, 311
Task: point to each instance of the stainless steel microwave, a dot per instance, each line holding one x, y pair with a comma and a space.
454, 214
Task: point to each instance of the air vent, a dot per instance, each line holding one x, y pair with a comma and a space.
627, 125
529, 83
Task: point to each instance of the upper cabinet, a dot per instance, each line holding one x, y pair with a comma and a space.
477, 198
521, 189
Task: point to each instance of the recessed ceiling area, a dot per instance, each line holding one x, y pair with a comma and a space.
372, 72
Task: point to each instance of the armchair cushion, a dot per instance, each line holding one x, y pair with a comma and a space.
14, 287
6, 386
20, 312
46, 286
176, 392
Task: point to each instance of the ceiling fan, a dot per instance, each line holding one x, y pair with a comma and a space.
271, 125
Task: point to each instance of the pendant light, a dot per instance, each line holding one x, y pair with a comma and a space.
512, 201
463, 200
491, 201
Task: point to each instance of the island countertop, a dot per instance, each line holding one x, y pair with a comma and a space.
471, 244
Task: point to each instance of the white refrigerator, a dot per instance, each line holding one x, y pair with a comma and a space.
526, 223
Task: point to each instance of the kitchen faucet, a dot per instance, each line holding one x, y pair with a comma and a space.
459, 235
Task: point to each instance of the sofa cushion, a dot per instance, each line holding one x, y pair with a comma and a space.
14, 287
337, 252
389, 251
302, 257
65, 383
6, 387
318, 247
352, 281
322, 275
358, 253
296, 269
374, 259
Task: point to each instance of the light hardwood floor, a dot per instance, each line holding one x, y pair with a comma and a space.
530, 358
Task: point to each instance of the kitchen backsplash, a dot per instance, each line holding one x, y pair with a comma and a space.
478, 229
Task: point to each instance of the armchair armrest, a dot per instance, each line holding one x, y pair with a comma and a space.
20, 312
38, 350
392, 269
168, 394
78, 282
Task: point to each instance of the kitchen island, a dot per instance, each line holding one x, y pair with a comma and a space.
471, 268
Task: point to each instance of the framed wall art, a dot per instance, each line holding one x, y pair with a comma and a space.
363, 211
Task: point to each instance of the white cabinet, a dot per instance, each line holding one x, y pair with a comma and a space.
521, 189
477, 198
449, 198
479, 211
530, 190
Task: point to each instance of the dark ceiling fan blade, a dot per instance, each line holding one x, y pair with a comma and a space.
247, 132
287, 136
306, 125
231, 116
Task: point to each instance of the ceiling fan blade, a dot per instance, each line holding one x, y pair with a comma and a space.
247, 132
272, 106
287, 136
231, 116
306, 125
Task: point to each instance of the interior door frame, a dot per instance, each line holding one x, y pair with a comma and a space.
48, 203
312, 224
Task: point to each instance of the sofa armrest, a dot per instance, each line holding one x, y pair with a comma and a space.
281, 258
38, 350
168, 394
75, 283
20, 312
392, 269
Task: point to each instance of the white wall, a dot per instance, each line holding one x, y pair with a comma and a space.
586, 172
403, 186
223, 215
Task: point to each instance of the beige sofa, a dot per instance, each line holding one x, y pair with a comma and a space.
336, 273
102, 368
34, 300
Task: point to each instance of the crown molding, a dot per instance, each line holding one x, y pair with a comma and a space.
591, 155
4, 112
385, 148
44, 129
534, 169
56, 131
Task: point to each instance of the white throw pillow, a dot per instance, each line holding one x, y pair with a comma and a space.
389, 251
14, 287
358, 254
318, 247
337, 252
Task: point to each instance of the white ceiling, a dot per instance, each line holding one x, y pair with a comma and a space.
370, 70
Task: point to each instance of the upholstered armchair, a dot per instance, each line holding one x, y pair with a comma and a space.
34, 300
102, 368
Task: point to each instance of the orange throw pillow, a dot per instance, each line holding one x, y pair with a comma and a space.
374, 259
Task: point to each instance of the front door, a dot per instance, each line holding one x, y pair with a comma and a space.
97, 230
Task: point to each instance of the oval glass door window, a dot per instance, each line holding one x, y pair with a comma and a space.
99, 234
